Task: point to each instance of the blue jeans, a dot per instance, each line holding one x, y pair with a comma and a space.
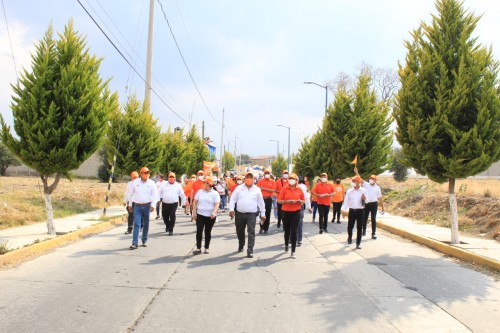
141, 213
275, 207
223, 201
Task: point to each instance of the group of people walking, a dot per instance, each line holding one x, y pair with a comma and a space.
204, 196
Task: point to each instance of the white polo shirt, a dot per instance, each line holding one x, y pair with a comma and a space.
374, 192
144, 192
353, 198
247, 200
170, 193
206, 201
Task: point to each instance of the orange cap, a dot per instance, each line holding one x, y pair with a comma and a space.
357, 179
293, 176
171, 174
209, 181
374, 177
200, 173
285, 171
323, 174
248, 174
145, 170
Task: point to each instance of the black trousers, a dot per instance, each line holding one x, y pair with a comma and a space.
355, 216
371, 209
336, 210
323, 211
268, 202
290, 223
280, 214
130, 221
168, 213
204, 223
248, 221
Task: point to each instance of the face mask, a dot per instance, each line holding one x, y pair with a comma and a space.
337, 182
267, 176
285, 176
323, 179
371, 181
353, 184
201, 177
248, 182
239, 182
292, 182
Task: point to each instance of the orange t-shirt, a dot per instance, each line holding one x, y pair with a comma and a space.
196, 186
338, 193
266, 183
231, 189
288, 193
187, 189
280, 183
323, 188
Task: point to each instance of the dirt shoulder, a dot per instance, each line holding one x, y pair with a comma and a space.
23, 202
427, 202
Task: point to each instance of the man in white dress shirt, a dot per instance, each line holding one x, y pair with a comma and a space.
245, 204
144, 197
373, 200
353, 205
169, 192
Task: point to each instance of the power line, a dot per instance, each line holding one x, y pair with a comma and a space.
185, 64
10, 41
134, 54
128, 62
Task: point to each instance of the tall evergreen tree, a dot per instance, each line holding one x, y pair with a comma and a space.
357, 124
196, 152
137, 136
173, 151
279, 164
448, 109
228, 161
397, 165
302, 162
60, 110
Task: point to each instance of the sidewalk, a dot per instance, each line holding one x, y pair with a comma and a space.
19, 237
481, 251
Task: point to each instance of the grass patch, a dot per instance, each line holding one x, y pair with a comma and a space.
3, 248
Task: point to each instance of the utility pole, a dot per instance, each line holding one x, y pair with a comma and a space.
149, 59
221, 142
203, 131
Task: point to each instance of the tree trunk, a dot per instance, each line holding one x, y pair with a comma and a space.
453, 211
47, 190
51, 230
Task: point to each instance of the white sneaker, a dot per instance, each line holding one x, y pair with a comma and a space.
292, 255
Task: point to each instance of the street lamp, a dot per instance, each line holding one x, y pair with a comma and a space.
289, 162
277, 147
326, 93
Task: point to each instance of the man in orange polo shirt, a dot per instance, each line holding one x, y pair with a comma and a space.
280, 183
266, 185
324, 191
338, 198
291, 198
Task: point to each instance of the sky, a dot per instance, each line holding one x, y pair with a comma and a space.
248, 58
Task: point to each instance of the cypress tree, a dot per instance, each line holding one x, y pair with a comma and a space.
278, 165
447, 109
137, 136
357, 124
174, 146
302, 162
196, 152
60, 110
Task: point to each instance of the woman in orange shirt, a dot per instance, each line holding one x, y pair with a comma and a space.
187, 192
338, 198
291, 199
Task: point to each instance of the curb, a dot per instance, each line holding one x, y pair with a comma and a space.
37, 249
450, 250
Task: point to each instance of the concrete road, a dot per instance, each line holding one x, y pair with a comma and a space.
390, 285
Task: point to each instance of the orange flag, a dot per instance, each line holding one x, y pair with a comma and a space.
355, 160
